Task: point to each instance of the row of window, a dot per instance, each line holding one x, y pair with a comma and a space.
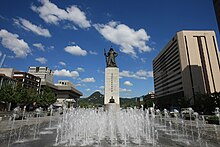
166, 83
174, 67
164, 54
177, 90
167, 59
165, 75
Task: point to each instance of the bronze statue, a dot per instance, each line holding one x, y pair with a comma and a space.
110, 58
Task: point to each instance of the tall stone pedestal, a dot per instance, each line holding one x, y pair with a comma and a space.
112, 85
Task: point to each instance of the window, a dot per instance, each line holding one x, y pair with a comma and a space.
37, 69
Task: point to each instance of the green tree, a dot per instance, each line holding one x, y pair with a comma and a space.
47, 97
183, 102
25, 96
7, 93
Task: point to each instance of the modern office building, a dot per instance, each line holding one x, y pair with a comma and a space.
67, 94
149, 99
149, 96
188, 65
27, 80
9, 72
44, 73
64, 90
216, 4
46, 76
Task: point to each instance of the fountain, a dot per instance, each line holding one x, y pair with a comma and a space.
217, 113
112, 126
125, 127
23, 115
51, 113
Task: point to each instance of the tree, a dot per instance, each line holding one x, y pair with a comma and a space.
25, 96
183, 102
47, 97
7, 93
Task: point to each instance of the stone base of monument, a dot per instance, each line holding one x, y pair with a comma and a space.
112, 107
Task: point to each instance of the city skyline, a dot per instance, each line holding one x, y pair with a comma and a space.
70, 37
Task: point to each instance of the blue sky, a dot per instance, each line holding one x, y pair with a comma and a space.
69, 37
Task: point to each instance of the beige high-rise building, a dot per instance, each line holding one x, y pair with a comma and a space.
188, 65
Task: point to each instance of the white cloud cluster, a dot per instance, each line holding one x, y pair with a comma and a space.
11, 41
50, 13
39, 46
88, 89
98, 90
140, 74
102, 87
0, 53
125, 90
80, 69
75, 50
128, 83
93, 53
88, 80
143, 73
126, 37
42, 60
27, 25
62, 63
70, 26
66, 73
51, 47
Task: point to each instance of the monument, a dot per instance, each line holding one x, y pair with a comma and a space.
111, 100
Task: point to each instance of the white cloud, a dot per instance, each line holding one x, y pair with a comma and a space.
80, 69
128, 83
39, 46
27, 25
62, 63
51, 47
75, 50
101, 87
42, 60
143, 60
88, 89
100, 71
125, 90
78, 85
140, 74
11, 41
97, 90
70, 26
126, 37
0, 53
71, 43
66, 73
50, 13
11, 57
144, 73
93, 53
88, 80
